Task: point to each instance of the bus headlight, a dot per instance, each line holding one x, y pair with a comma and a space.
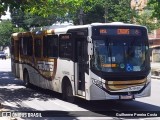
149, 77
97, 83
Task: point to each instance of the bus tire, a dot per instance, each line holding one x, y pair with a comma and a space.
26, 79
67, 92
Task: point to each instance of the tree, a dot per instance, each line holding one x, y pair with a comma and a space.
6, 29
46, 8
17, 16
27, 20
143, 16
96, 14
145, 19
107, 11
116, 10
59, 7
41, 10
155, 7
38, 21
4, 4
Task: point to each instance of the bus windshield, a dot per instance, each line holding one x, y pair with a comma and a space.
119, 54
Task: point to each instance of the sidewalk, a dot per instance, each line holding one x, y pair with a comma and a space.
155, 66
155, 70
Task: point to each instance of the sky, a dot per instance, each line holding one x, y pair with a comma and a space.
7, 16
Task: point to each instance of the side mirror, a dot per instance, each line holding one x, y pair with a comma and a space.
90, 49
90, 46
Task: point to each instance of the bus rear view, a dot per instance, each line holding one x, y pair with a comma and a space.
120, 64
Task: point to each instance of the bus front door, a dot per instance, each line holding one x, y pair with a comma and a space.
81, 67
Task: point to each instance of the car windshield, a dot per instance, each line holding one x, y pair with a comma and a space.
119, 54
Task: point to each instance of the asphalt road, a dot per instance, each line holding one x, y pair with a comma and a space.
14, 96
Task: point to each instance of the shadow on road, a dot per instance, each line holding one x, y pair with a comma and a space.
12, 90
138, 109
117, 106
110, 108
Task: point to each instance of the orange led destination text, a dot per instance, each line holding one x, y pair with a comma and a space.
123, 31
109, 65
103, 31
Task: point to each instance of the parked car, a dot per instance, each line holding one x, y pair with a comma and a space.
2, 55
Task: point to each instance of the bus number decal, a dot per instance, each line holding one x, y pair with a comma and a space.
46, 66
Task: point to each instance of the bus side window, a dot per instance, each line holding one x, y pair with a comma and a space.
37, 47
26, 46
30, 46
65, 46
50, 46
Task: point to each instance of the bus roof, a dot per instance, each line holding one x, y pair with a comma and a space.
26, 34
16, 36
65, 29
49, 32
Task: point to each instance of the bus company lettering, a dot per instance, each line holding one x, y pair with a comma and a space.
46, 66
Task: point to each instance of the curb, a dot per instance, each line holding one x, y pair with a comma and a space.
155, 77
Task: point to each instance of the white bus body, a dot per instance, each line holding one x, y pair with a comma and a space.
86, 65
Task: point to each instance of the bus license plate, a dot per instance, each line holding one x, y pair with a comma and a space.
126, 97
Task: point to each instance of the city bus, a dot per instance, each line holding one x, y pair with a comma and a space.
99, 61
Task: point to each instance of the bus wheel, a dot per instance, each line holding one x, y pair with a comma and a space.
67, 93
26, 79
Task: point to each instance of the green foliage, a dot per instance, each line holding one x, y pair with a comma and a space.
58, 8
116, 10
27, 20
122, 11
17, 16
146, 19
96, 14
45, 12
4, 4
38, 21
108, 11
155, 6
6, 29
46, 7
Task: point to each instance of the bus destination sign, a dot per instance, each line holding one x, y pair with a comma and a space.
123, 31
65, 37
114, 31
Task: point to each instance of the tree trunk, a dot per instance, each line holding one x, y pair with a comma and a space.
106, 13
81, 17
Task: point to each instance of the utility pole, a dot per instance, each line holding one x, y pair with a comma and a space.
106, 12
81, 16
